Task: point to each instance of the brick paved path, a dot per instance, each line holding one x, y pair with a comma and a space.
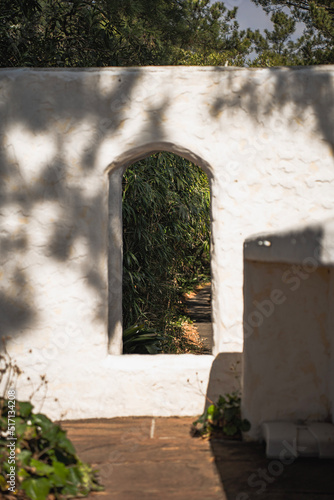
156, 459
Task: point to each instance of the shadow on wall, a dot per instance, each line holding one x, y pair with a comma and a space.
32, 107
226, 371
29, 102
289, 86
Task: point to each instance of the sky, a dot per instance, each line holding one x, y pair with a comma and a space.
249, 15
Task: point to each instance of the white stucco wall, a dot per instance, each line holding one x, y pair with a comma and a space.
265, 137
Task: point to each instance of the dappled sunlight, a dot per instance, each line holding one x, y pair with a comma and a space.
264, 138
34, 147
280, 94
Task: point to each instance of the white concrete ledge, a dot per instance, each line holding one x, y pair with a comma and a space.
296, 246
135, 385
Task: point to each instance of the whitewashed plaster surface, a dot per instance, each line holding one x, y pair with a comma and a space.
265, 137
288, 326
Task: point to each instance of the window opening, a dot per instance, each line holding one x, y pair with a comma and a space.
166, 303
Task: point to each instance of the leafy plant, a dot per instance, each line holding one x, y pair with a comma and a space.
45, 460
35, 449
222, 418
138, 339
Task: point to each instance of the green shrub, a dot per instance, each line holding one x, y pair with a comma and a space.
45, 460
138, 339
34, 449
222, 418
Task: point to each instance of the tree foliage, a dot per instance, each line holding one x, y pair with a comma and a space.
316, 45
86, 33
277, 47
49, 33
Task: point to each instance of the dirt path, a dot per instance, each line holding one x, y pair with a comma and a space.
198, 307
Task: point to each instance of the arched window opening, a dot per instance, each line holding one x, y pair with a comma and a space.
166, 257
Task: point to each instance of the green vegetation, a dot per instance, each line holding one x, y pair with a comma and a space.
49, 33
45, 459
222, 419
139, 339
85, 33
277, 47
315, 46
166, 221
36, 457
